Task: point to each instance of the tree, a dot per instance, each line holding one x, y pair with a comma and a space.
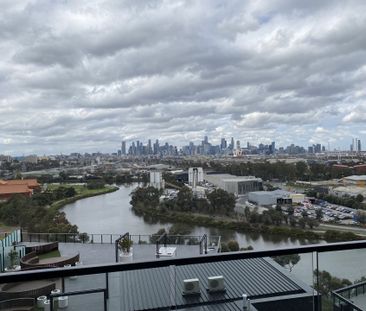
311, 223
302, 223
328, 283
292, 221
222, 202
319, 214
145, 197
301, 169
63, 176
95, 184
70, 192
359, 198
290, 210
287, 261
185, 199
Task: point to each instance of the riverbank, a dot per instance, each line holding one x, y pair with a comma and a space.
243, 227
82, 193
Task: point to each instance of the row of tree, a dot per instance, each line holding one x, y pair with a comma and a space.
218, 202
267, 170
276, 217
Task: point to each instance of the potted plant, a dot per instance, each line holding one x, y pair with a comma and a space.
13, 258
125, 246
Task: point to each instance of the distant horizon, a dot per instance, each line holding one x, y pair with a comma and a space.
128, 143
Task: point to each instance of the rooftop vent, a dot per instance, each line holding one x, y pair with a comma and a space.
216, 284
191, 287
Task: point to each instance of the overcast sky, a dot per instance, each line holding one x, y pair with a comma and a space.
83, 75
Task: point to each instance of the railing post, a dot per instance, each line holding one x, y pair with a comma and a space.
116, 250
105, 301
107, 285
101, 239
318, 281
206, 244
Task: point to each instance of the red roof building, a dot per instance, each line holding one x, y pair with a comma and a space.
24, 187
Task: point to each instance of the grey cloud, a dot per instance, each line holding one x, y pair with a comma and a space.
80, 73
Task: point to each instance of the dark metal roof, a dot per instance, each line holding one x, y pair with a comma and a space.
227, 306
157, 288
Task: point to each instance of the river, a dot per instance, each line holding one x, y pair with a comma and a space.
111, 213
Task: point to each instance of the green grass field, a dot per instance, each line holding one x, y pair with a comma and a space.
81, 192
80, 189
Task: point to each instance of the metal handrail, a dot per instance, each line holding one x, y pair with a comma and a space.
138, 265
346, 301
98, 238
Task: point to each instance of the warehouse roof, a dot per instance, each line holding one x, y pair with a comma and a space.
356, 177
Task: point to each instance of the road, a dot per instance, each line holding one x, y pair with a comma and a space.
357, 230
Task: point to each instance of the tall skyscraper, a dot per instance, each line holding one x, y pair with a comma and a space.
223, 145
156, 147
272, 148
123, 148
149, 149
232, 144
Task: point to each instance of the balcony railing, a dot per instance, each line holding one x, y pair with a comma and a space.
159, 284
343, 297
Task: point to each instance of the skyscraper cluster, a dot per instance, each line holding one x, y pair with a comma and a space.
225, 147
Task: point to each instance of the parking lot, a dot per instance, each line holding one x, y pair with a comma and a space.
330, 212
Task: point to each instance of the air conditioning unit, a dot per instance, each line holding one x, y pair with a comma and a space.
216, 284
191, 287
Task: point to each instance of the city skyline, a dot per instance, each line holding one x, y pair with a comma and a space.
228, 146
85, 75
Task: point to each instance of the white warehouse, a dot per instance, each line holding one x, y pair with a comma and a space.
238, 185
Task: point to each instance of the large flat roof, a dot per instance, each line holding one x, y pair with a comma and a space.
356, 177
257, 277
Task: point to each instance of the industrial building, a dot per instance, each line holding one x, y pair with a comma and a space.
195, 176
351, 191
238, 185
268, 198
156, 180
355, 180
